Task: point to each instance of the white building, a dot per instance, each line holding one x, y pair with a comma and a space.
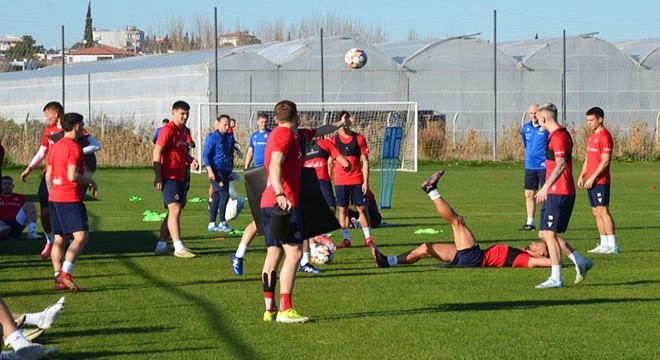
9, 42
131, 39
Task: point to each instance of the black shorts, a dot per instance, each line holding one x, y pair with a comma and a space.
350, 192
43, 193
295, 228
534, 179
326, 190
469, 258
174, 192
556, 212
599, 195
67, 218
16, 230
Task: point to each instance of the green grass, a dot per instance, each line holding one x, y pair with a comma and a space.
139, 306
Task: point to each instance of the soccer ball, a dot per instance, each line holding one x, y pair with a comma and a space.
355, 58
322, 254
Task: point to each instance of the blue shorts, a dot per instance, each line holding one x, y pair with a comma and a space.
556, 212
326, 190
295, 228
468, 258
599, 195
221, 177
67, 218
43, 193
534, 179
350, 192
16, 230
174, 191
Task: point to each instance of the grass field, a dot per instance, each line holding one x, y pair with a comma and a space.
139, 306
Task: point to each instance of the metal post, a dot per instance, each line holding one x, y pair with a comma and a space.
563, 83
215, 32
63, 62
322, 71
494, 85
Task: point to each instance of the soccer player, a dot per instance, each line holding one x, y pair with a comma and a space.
595, 177
170, 159
217, 156
258, 141
534, 140
557, 194
23, 348
157, 131
16, 213
352, 183
66, 184
466, 252
283, 163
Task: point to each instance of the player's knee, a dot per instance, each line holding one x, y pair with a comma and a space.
457, 220
426, 248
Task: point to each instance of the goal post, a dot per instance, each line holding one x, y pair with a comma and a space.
371, 120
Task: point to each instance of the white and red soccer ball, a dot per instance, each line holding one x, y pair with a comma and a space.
355, 58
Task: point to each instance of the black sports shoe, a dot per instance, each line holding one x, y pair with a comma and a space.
381, 260
528, 227
432, 183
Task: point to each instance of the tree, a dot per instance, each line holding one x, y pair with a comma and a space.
26, 49
88, 37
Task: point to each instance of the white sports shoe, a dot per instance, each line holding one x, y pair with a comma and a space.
612, 250
550, 283
184, 253
50, 314
33, 235
582, 271
600, 249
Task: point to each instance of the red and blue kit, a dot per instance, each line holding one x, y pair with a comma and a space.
317, 156
63, 153
10, 205
283, 140
598, 144
560, 145
174, 141
352, 147
502, 255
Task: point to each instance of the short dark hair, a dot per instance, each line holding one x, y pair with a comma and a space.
70, 120
181, 105
262, 114
286, 111
54, 106
596, 111
7, 177
223, 116
166, 120
341, 115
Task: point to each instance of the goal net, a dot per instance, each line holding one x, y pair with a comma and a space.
371, 120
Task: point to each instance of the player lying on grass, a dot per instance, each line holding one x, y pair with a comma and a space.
465, 251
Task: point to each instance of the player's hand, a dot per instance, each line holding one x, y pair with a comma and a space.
580, 182
365, 188
542, 195
92, 186
158, 184
283, 203
25, 174
346, 166
195, 164
211, 175
589, 183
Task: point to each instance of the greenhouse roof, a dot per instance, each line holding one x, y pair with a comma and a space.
639, 49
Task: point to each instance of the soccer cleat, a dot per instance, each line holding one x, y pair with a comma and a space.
381, 260
368, 242
223, 227
344, 244
528, 227
184, 253
33, 235
64, 281
550, 283
268, 315
600, 249
20, 321
163, 251
582, 271
308, 268
45, 253
49, 315
4, 229
612, 250
432, 182
33, 334
290, 316
237, 264
36, 351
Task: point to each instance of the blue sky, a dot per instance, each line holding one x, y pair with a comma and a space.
622, 20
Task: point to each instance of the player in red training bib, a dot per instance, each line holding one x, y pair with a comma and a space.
16, 213
557, 194
66, 185
595, 177
466, 252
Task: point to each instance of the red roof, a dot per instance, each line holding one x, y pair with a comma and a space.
102, 50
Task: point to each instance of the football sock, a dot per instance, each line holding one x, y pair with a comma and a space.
240, 252
67, 267
161, 245
178, 245
434, 194
367, 232
603, 240
530, 221
269, 301
611, 240
17, 340
346, 233
32, 227
392, 260
50, 237
305, 259
555, 273
285, 302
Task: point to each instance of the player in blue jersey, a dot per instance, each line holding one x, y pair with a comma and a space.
258, 142
534, 140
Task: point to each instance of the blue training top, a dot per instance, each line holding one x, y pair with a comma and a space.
258, 144
219, 150
535, 141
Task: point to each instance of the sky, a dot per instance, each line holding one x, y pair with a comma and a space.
516, 20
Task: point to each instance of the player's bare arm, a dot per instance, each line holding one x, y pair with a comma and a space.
542, 194
604, 163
